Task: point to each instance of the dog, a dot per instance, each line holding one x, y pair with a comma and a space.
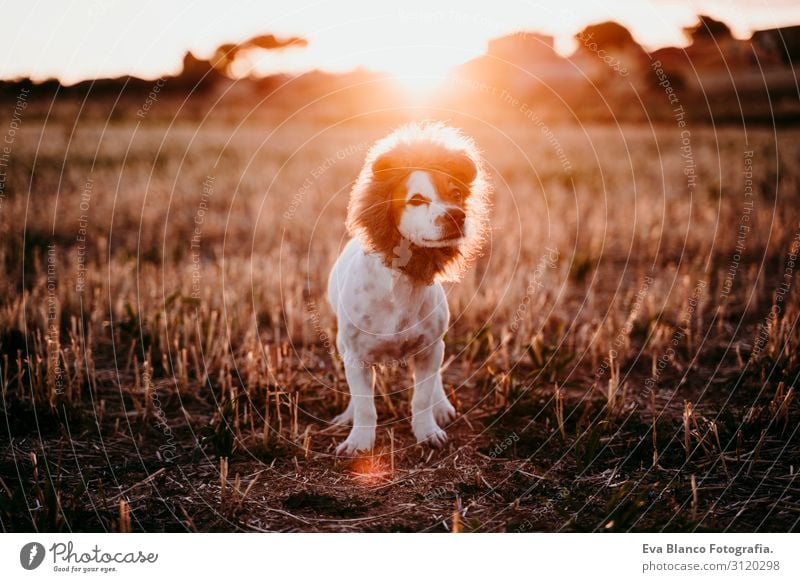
417, 216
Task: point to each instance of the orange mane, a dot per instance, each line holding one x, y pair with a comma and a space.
431, 146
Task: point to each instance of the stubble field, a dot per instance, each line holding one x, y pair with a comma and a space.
622, 357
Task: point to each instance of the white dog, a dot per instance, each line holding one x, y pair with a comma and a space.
417, 215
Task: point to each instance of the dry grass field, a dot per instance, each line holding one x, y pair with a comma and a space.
623, 357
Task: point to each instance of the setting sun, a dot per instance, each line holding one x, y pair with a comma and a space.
418, 51
424, 73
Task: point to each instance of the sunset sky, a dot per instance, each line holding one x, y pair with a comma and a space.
76, 40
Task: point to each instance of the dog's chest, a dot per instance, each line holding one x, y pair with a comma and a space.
401, 333
390, 323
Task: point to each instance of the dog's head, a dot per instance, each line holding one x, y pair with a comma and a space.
421, 201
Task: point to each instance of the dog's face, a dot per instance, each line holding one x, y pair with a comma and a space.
423, 184
430, 209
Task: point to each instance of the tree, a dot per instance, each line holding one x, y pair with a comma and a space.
708, 28
607, 35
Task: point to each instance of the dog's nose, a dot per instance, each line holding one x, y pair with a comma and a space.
456, 217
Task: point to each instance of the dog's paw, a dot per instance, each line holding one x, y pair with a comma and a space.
344, 418
428, 432
444, 412
359, 439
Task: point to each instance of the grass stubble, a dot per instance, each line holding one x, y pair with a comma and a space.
623, 357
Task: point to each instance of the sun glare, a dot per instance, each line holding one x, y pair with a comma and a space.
370, 470
423, 75
419, 52
426, 52
423, 66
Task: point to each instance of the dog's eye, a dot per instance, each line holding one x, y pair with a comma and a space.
418, 200
456, 193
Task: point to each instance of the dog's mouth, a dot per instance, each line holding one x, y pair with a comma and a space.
448, 239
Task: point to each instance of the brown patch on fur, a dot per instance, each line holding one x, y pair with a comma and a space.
378, 197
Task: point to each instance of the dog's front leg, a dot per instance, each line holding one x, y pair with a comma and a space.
360, 380
443, 411
427, 370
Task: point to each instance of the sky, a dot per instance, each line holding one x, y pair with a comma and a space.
75, 40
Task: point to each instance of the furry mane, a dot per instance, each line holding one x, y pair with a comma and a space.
430, 146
